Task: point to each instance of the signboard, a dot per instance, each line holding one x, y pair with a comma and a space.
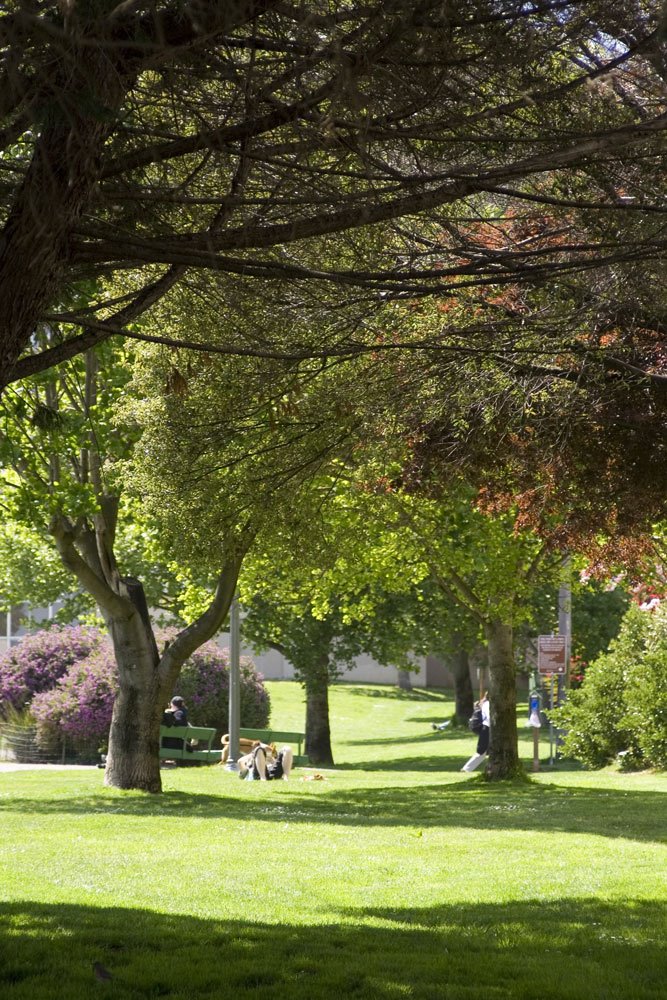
551, 654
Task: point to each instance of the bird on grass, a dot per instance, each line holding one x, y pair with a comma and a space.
101, 974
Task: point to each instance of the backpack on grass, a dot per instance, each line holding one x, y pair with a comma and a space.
476, 720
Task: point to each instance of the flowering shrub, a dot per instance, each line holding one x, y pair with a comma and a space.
68, 679
80, 705
577, 671
204, 685
40, 660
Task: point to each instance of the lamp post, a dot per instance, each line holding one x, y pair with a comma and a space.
234, 685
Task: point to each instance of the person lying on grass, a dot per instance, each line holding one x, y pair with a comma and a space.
265, 763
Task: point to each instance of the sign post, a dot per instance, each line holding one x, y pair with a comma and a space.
551, 654
552, 661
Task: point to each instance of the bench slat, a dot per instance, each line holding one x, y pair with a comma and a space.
201, 753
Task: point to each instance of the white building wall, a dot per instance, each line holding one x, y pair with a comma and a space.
12, 623
276, 667
272, 664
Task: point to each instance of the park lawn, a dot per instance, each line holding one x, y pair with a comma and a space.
393, 876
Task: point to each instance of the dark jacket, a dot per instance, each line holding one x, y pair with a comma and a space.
175, 717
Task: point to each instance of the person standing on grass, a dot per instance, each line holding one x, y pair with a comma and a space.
481, 717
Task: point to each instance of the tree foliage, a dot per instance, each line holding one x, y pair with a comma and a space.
263, 141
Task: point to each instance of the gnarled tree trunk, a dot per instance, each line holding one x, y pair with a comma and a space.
146, 678
133, 759
504, 749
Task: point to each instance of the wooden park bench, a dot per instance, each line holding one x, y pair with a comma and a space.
277, 736
203, 751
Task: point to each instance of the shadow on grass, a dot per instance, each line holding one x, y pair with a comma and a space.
466, 803
436, 743
441, 763
527, 950
398, 694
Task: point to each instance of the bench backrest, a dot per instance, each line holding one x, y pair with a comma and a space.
273, 736
201, 733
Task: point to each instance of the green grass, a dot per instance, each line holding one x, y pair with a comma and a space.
396, 876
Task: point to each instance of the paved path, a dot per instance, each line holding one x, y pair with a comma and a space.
8, 765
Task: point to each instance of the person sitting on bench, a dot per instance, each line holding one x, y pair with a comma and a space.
265, 763
175, 715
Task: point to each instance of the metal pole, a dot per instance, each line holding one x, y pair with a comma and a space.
234, 685
564, 629
565, 618
551, 725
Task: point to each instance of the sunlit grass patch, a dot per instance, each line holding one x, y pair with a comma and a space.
394, 876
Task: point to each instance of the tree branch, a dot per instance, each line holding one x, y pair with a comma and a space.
97, 333
208, 624
64, 536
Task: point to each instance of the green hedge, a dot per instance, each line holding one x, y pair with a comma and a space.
621, 708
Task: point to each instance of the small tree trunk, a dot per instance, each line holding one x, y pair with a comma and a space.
504, 749
318, 734
405, 680
463, 695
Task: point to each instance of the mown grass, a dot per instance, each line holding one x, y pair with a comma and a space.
394, 876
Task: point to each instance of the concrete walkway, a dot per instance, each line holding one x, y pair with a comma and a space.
8, 765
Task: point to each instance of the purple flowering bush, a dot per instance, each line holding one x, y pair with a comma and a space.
40, 660
80, 704
67, 679
204, 685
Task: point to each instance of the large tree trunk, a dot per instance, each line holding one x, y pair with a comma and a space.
463, 693
58, 187
146, 678
318, 734
405, 680
504, 749
133, 759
